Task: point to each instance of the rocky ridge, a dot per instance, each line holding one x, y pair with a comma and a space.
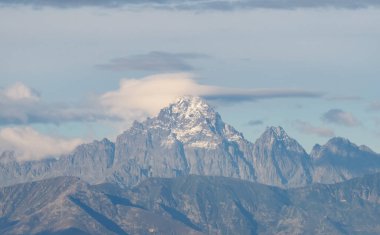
189, 205
190, 137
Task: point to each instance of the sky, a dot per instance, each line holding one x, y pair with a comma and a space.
75, 71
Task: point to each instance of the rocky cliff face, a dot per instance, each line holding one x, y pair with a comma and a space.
190, 137
281, 160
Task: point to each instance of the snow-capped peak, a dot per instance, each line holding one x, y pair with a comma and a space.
191, 106
191, 120
188, 111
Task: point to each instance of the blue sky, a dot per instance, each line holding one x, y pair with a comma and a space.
69, 71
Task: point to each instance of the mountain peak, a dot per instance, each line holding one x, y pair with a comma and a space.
338, 148
188, 112
187, 107
190, 107
276, 132
281, 159
339, 141
277, 137
188, 99
337, 145
192, 121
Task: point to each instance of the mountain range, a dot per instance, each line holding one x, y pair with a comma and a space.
186, 171
189, 205
190, 137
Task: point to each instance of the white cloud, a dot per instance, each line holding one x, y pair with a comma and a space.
29, 144
139, 98
19, 92
146, 96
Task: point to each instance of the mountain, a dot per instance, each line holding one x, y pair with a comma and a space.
190, 137
91, 162
190, 205
67, 205
187, 137
281, 160
339, 160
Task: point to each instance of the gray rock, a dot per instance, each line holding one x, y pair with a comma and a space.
339, 160
280, 160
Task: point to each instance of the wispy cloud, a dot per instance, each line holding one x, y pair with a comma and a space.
198, 4
338, 116
238, 95
153, 61
21, 105
307, 128
255, 122
344, 98
28, 144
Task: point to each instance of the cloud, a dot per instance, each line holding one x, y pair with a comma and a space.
139, 98
239, 95
307, 128
19, 92
344, 98
29, 144
287, 4
153, 61
21, 105
338, 116
135, 99
223, 5
255, 123
26, 113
